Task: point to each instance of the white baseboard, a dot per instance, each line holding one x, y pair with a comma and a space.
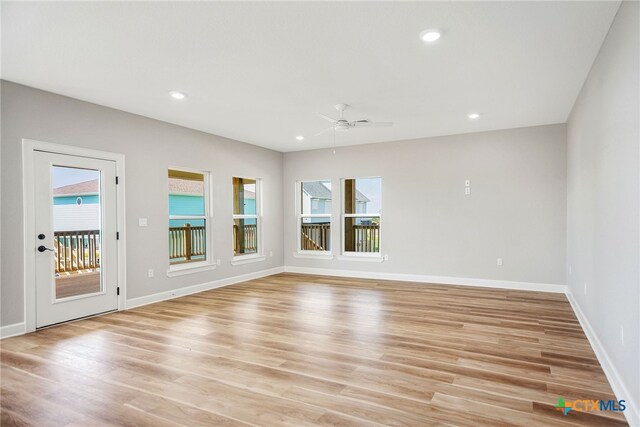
12, 330
615, 379
444, 280
163, 296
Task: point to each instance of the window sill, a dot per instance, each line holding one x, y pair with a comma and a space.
247, 259
313, 255
184, 269
365, 258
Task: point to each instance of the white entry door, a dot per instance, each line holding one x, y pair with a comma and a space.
75, 237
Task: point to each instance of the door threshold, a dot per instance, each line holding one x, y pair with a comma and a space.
76, 319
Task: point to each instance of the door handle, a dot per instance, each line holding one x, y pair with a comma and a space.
42, 248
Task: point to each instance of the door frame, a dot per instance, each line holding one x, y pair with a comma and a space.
29, 147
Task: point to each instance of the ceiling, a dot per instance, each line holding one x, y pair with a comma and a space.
260, 72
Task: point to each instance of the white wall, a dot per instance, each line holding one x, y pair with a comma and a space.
603, 230
516, 210
150, 147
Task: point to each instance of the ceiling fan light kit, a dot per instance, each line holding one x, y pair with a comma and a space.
343, 125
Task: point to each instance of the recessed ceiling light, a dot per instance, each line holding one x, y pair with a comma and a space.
473, 116
430, 36
300, 138
177, 95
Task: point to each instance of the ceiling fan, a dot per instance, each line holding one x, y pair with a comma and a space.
343, 125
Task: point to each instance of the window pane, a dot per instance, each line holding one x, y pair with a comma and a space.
245, 236
362, 195
187, 240
186, 193
362, 234
315, 234
316, 197
244, 196
188, 236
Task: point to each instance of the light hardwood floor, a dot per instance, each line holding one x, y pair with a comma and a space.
302, 350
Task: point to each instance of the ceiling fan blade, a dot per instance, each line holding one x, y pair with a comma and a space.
324, 131
327, 118
363, 124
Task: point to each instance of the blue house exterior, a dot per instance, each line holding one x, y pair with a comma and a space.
185, 204
75, 199
86, 193
179, 204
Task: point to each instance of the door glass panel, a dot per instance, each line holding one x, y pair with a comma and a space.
77, 230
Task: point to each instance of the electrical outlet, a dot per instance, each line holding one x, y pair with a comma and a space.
467, 191
142, 222
499, 262
585, 288
622, 334
150, 272
386, 257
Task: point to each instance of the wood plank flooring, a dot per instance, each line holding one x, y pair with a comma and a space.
298, 350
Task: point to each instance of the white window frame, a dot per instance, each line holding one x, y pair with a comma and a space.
346, 255
207, 263
258, 255
300, 216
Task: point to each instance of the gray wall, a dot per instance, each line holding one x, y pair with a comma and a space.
516, 210
603, 236
149, 146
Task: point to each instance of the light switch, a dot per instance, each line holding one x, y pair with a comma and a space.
142, 222
467, 183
